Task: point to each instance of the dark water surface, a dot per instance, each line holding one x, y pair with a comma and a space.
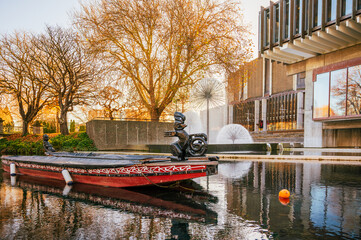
241, 202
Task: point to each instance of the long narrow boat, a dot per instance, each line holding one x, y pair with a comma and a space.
188, 161
112, 170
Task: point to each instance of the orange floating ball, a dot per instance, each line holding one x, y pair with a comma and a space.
284, 201
284, 193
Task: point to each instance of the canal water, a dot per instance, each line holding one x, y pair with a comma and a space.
241, 202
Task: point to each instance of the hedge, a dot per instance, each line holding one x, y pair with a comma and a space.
33, 144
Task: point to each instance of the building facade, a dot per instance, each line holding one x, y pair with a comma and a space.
308, 75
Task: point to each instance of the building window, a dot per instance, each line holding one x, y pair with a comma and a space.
276, 22
286, 14
298, 7
244, 114
354, 90
346, 7
331, 10
281, 112
267, 77
320, 93
266, 27
337, 93
306, 14
317, 13
301, 80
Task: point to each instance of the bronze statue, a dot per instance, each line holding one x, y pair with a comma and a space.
188, 145
47, 145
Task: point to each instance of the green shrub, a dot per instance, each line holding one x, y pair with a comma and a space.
73, 142
69, 143
18, 147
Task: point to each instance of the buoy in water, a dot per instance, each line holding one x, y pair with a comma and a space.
284, 193
12, 169
284, 201
67, 177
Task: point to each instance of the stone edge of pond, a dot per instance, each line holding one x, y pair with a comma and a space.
275, 158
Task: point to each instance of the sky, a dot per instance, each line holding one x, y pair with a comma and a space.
34, 15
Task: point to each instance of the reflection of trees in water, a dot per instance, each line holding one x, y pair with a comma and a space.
338, 93
33, 215
339, 87
354, 91
42, 217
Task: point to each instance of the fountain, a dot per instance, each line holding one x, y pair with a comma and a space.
194, 124
233, 134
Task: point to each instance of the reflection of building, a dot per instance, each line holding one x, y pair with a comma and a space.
320, 204
309, 74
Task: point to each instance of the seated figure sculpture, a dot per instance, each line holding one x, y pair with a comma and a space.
188, 145
47, 146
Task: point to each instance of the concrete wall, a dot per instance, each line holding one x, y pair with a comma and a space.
280, 81
255, 82
117, 135
342, 137
313, 130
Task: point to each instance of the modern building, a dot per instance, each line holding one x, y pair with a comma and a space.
308, 75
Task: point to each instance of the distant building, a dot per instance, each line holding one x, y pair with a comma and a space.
308, 75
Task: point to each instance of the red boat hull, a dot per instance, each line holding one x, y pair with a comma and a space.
139, 175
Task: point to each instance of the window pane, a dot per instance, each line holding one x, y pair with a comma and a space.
320, 95
338, 93
354, 91
331, 10
276, 22
267, 77
266, 27
346, 7
297, 17
286, 17
317, 12
301, 80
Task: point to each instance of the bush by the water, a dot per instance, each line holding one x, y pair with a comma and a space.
73, 142
33, 144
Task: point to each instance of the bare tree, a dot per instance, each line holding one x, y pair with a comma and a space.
21, 76
164, 45
109, 99
69, 70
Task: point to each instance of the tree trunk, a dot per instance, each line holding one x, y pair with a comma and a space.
63, 120
154, 115
25, 128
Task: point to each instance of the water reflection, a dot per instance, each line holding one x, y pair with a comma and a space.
325, 201
241, 203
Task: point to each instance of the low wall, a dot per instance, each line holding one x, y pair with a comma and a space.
223, 148
346, 138
127, 135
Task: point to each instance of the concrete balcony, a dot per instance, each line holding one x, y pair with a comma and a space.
287, 32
